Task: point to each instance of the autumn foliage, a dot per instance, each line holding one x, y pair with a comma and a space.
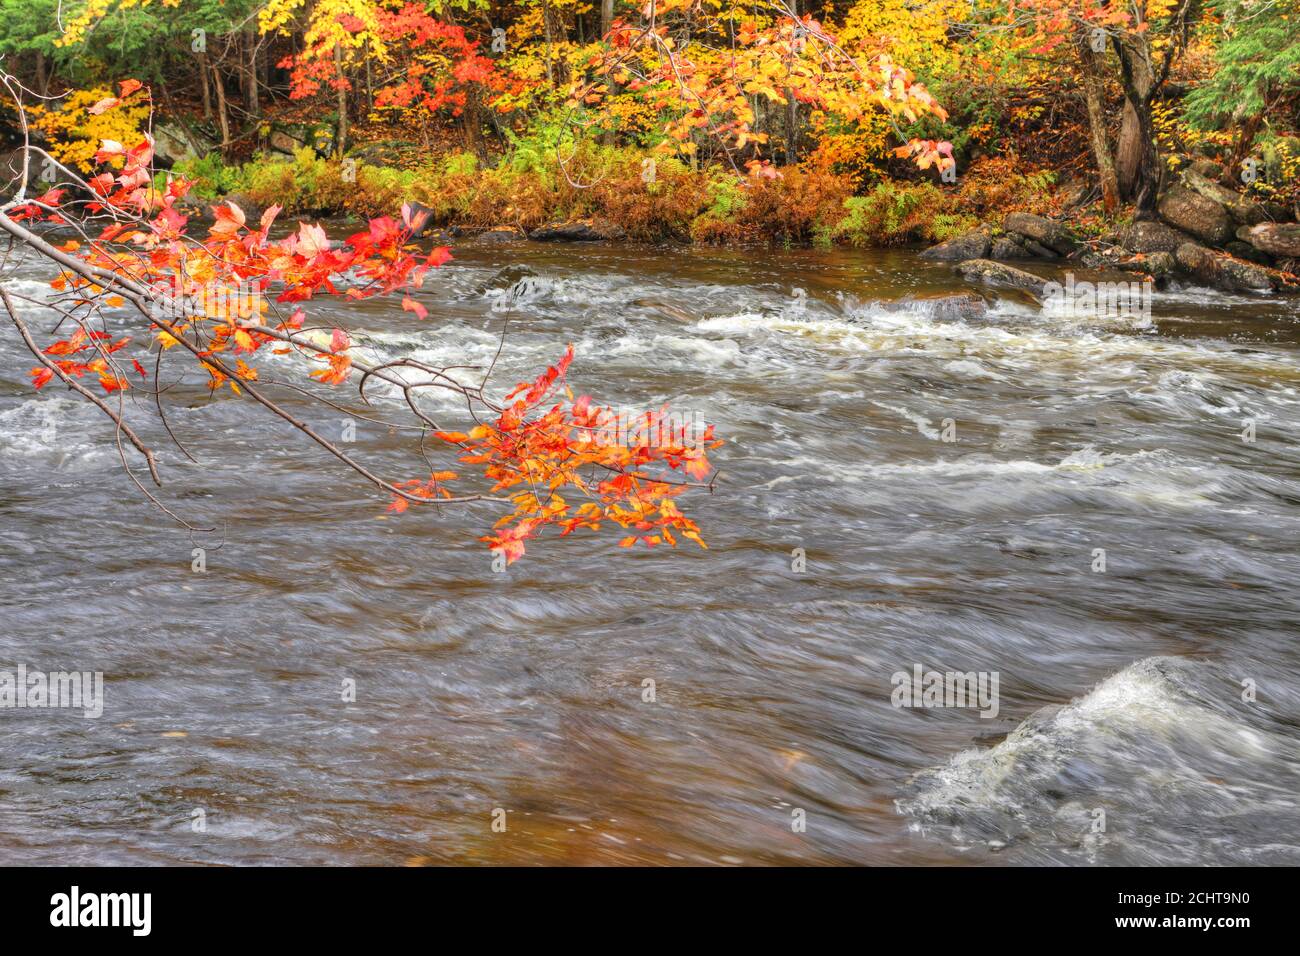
555, 463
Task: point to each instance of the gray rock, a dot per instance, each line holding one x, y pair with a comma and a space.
1158, 265
1277, 239
1196, 214
969, 245
283, 142
1224, 272
500, 234
172, 144
1207, 168
958, 306
580, 230
1244, 250
1240, 208
1054, 235
998, 274
1005, 247
1152, 236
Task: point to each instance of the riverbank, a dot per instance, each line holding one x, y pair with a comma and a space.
619, 193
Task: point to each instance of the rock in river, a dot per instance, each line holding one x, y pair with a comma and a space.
969, 245
1225, 272
999, 274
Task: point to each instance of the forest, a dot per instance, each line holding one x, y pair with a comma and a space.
867, 123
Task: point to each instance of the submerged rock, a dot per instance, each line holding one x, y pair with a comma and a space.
943, 306
999, 274
970, 245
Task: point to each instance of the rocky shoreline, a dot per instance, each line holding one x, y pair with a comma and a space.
1206, 234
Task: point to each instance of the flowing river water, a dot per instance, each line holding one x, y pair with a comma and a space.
1146, 713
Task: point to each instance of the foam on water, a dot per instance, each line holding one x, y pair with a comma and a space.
1165, 746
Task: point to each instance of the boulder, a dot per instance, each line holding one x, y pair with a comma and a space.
1244, 250
283, 142
500, 234
1158, 265
1224, 272
954, 307
1005, 247
970, 245
579, 230
1040, 251
1152, 236
1191, 212
1045, 232
1281, 240
1240, 208
997, 274
1207, 168
173, 143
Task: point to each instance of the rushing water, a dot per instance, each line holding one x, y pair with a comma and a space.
1121, 733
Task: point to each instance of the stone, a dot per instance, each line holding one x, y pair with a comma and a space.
1158, 265
172, 144
1198, 215
1244, 250
1039, 251
998, 274
282, 142
1281, 240
1152, 236
1005, 247
970, 245
500, 234
1054, 235
1224, 272
579, 230
1240, 208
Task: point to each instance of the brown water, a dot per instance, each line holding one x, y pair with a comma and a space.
523, 691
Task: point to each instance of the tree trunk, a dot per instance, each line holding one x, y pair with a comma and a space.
1095, 96
222, 114
252, 99
792, 113
342, 144
1137, 159
546, 30
203, 83
606, 20
42, 80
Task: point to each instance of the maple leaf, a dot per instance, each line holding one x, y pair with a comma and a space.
410, 305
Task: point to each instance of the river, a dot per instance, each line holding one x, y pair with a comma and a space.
949, 483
